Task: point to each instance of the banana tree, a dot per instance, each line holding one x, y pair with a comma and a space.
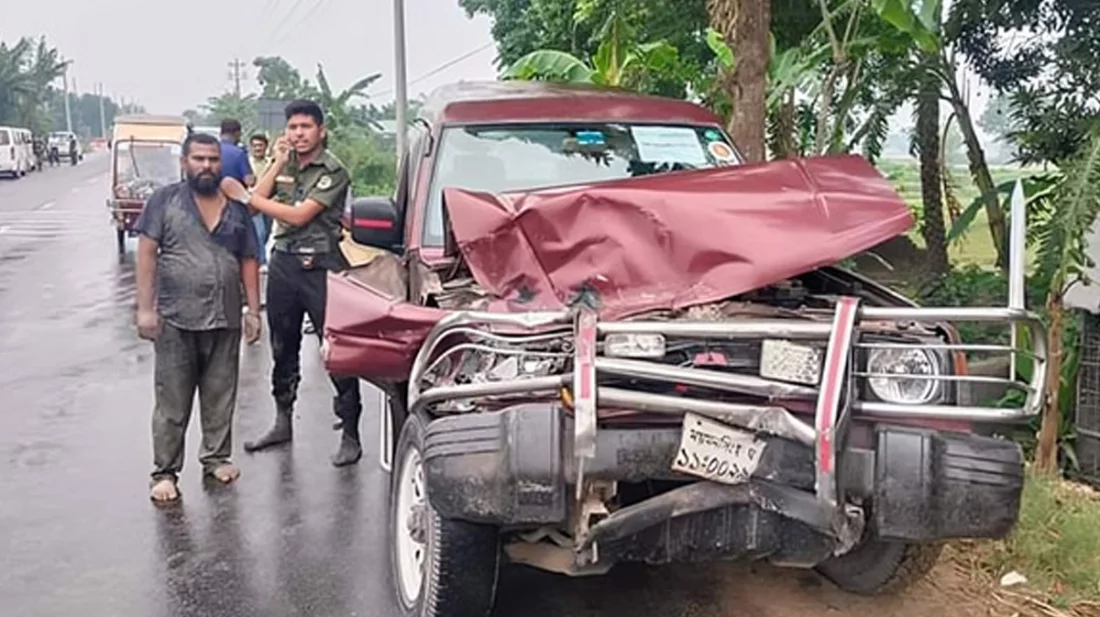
920, 21
619, 61
26, 72
834, 91
1063, 255
337, 106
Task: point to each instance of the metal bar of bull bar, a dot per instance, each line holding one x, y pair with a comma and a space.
462, 321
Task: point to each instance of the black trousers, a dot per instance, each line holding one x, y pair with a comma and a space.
187, 361
297, 286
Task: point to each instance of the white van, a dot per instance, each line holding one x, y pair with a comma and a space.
16, 151
61, 139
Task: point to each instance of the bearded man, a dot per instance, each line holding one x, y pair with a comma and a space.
197, 251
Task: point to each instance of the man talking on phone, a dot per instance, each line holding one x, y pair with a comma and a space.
307, 209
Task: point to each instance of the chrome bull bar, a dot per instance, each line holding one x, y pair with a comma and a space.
833, 397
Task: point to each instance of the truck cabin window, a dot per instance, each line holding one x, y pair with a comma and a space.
522, 157
141, 168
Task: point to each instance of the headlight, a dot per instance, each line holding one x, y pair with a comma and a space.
903, 362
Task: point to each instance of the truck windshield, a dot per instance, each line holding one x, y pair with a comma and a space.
146, 165
521, 157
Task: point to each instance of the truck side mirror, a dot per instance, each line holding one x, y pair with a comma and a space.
374, 223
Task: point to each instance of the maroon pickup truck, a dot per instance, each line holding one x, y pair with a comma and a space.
603, 339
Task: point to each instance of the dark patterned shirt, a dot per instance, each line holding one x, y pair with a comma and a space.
198, 270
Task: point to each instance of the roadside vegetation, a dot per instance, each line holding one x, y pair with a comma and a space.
32, 95
1056, 547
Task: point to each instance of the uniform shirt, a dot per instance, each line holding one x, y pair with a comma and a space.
259, 166
234, 161
198, 270
325, 181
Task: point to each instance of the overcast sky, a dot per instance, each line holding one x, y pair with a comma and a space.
171, 55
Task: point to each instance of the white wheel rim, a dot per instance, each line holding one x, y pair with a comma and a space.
411, 553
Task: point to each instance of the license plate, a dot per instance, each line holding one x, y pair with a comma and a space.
717, 452
787, 361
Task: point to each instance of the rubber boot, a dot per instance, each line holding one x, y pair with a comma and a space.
348, 409
349, 452
281, 432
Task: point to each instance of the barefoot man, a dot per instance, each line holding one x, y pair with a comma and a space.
195, 251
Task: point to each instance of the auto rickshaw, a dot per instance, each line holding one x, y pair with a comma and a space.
145, 154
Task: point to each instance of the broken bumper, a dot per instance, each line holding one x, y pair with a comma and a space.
514, 468
805, 485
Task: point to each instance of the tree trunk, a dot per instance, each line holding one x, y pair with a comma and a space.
979, 170
1046, 453
746, 25
787, 126
931, 184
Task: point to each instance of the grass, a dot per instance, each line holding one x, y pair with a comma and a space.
976, 245
1056, 546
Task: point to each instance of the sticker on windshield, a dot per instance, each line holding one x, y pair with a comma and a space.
590, 138
668, 144
713, 135
721, 151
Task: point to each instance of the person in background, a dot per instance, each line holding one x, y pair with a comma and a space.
234, 158
195, 253
308, 230
259, 156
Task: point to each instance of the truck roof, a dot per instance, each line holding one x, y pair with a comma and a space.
477, 102
151, 119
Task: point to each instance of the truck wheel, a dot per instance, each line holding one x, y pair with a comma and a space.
441, 567
881, 567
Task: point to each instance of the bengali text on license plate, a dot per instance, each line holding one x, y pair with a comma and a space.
717, 452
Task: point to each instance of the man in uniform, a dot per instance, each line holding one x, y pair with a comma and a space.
313, 186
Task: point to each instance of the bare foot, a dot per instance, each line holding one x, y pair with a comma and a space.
164, 491
226, 473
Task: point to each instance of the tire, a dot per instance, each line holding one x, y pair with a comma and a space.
879, 567
460, 561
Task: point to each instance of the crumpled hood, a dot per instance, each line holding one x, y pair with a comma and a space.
674, 240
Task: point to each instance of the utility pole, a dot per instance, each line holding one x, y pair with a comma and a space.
102, 115
235, 74
400, 75
68, 111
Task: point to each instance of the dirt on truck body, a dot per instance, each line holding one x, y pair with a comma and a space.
604, 339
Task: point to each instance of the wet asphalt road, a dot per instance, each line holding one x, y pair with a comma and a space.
78, 534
